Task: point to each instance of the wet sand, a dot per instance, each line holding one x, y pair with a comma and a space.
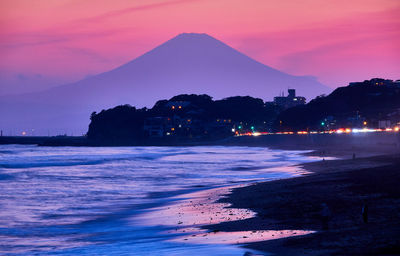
345, 186
201, 208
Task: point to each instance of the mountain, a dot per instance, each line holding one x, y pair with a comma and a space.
188, 63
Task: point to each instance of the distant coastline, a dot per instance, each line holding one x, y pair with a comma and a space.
374, 142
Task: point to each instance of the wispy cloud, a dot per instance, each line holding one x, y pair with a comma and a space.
17, 40
129, 10
66, 32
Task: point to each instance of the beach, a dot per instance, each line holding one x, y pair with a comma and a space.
247, 196
345, 186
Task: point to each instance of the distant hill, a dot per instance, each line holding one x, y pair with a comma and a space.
188, 63
181, 118
350, 106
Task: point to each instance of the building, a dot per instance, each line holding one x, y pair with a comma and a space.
289, 101
383, 124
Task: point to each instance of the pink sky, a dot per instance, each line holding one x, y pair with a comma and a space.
44, 43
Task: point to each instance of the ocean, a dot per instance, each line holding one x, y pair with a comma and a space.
127, 200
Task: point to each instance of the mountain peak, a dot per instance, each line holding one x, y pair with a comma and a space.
193, 35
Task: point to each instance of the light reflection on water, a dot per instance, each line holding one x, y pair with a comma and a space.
70, 200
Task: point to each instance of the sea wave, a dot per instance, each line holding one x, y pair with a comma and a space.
82, 200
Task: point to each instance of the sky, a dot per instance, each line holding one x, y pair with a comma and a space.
45, 43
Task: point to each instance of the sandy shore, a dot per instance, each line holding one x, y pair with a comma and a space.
345, 186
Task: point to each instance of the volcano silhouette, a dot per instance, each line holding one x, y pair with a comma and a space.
188, 63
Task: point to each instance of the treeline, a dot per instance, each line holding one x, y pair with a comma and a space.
363, 104
125, 123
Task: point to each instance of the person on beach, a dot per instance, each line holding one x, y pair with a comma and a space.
364, 213
325, 216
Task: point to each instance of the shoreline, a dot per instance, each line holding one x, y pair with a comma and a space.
192, 213
376, 142
345, 185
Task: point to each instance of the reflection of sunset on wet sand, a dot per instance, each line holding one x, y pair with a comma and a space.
203, 209
240, 237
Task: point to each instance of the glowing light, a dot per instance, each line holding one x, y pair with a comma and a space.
173, 107
180, 107
233, 129
172, 129
240, 127
252, 127
322, 123
339, 131
23, 133
365, 123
